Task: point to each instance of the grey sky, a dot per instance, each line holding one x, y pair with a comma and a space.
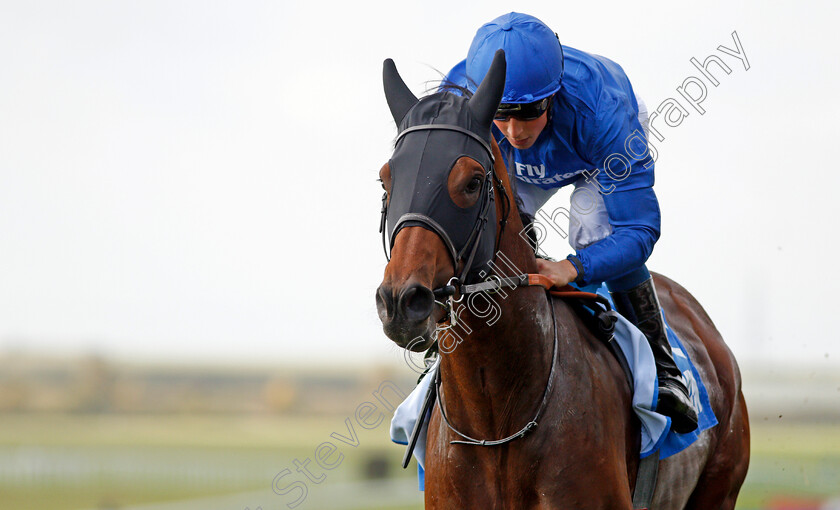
196, 181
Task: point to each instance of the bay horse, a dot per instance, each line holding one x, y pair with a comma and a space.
536, 357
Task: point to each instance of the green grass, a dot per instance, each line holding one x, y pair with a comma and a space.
117, 461
101, 494
800, 461
112, 461
169, 429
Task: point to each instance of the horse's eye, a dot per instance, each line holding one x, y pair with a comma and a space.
473, 185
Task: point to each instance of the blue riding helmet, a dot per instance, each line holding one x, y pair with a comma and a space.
534, 57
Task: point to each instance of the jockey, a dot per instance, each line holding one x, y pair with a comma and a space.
570, 117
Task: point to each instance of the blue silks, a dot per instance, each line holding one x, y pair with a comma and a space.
594, 133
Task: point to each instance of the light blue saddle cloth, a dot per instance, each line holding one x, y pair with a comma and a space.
656, 428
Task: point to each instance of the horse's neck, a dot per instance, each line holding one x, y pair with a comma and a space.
494, 366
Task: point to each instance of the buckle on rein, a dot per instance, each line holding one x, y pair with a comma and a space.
447, 293
445, 296
604, 316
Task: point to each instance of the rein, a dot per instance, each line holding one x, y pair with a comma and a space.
524, 430
445, 295
493, 285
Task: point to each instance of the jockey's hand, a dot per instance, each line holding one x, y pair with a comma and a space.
561, 273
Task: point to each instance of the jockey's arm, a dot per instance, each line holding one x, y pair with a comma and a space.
624, 177
634, 218
635, 221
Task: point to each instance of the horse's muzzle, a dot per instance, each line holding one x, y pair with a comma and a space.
406, 313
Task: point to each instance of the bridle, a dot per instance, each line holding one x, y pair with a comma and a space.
456, 284
445, 295
467, 253
486, 100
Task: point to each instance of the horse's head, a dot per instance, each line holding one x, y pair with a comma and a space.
439, 216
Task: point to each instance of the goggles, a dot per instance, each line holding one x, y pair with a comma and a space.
523, 111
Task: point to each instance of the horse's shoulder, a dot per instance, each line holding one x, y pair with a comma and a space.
587, 355
572, 326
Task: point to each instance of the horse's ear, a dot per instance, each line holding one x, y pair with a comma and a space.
399, 96
485, 101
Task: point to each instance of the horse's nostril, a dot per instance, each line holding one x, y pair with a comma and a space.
384, 303
417, 302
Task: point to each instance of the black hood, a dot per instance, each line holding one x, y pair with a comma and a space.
434, 132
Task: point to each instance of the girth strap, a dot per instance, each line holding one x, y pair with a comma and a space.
646, 481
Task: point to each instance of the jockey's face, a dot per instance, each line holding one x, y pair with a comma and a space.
522, 133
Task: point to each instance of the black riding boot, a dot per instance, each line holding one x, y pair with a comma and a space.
641, 307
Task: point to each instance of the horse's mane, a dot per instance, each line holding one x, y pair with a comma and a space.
445, 85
